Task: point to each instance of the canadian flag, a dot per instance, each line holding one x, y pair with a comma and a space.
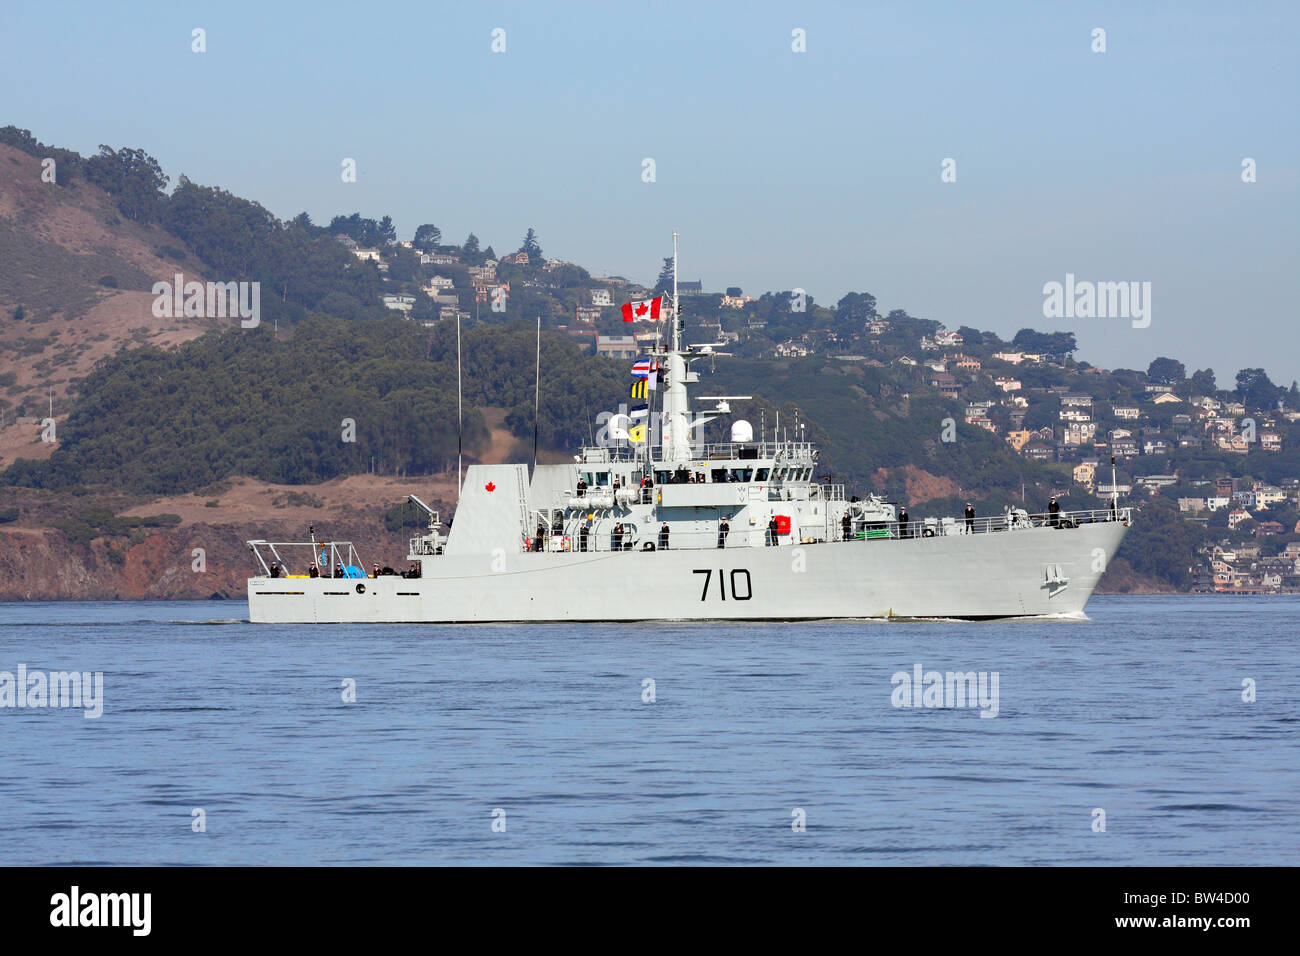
646, 311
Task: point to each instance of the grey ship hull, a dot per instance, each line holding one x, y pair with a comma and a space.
1011, 573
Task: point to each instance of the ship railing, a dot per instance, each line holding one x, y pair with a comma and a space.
647, 538
330, 558
606, 497
792, 452
1016, 521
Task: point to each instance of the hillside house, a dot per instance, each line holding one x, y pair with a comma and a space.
1019, 438
1079, 433
1039, 450
1154, 483
616, 346
399, 302
945, 383
737, 301
1232, 443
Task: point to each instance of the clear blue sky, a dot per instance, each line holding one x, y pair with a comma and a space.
819, 170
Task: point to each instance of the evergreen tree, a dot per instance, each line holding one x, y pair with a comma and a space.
427, 237
665, 283
532, 247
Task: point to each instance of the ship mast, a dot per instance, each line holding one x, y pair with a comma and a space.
675, 418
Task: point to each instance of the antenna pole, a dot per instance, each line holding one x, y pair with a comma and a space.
677, 334
537, 390
460, 417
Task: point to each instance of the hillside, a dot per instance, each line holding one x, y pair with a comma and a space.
77, 275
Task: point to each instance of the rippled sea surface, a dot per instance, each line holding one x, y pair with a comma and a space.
1137, 713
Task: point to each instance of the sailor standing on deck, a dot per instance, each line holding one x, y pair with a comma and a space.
902, 522
582, 537
1054, 514
582, 487
541, 531
663, 537
618, 536
771, 532
970, 518
846, 524
723, 528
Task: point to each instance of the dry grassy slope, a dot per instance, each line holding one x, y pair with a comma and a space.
56, 244
39, 562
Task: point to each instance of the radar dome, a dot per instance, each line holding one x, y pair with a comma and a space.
742, 431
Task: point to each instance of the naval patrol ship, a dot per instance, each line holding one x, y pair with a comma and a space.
654, 524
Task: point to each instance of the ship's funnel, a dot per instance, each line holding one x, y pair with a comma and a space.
742, 431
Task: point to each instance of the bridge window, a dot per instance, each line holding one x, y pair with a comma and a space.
602, 478
719, 475
741, 474
761, 474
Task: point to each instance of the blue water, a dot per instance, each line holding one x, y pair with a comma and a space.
1138, 712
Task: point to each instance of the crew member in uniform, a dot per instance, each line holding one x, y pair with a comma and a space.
846, 523
1054, 514
582, 487
970, 518
582, 537
723, 528
647, 488
663, 537
771, 532
618, 536
902, 522
537, 541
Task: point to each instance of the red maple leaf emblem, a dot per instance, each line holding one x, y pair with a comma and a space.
490, 486
642, 309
